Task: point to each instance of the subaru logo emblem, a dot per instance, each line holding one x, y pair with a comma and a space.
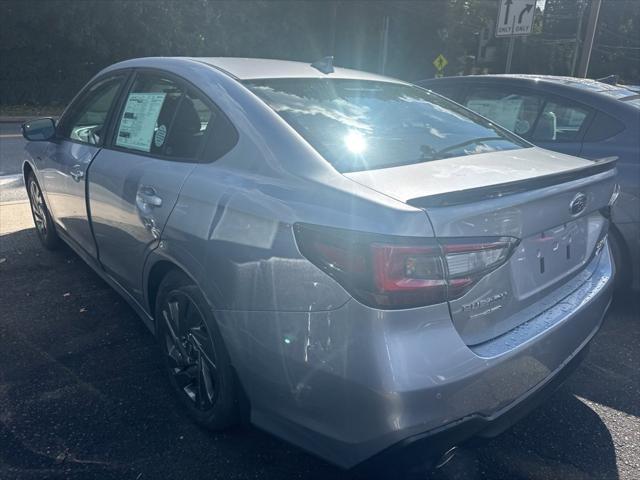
578, 204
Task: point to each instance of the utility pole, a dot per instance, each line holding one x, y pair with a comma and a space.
576, 51
585, 55
332, 36
384, 40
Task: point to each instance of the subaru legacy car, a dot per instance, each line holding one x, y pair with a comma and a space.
577, 116
360, 266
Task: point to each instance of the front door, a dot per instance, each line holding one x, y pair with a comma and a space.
80, 135
135, 181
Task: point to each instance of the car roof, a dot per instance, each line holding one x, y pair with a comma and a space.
263, 68
583, 84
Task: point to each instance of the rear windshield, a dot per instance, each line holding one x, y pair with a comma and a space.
364, 125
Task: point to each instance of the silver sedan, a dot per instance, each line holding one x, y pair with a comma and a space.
361, 266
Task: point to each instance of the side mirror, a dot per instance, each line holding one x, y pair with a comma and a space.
39, 130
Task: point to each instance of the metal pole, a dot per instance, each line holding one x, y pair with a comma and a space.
512, 41
585, 57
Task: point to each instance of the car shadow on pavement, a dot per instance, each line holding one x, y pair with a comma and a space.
83, 395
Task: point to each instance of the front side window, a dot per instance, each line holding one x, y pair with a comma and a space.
365, 125
560, 121
86, 122
514, 111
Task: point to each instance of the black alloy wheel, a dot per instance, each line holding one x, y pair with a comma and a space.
194, 354
41, 217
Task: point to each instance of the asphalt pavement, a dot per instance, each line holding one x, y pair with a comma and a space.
82, 394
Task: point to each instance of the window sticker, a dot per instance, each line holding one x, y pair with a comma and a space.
139, 120
161, 134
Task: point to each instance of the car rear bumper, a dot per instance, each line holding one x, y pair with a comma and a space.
356, 384
429, 446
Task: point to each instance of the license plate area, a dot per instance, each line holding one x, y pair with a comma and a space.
543, 259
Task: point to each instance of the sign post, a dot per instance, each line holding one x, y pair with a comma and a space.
515, 18
440, 62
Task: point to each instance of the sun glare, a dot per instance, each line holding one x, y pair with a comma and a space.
355, 142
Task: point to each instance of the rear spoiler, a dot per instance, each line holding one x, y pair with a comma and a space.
510, 188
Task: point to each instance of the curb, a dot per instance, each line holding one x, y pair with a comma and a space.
24, 118
7, 119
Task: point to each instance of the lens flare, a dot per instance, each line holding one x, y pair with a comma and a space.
355, 142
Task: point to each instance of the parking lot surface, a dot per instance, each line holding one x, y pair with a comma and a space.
82, 394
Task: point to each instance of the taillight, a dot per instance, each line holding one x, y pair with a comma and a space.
469, 259
401, 272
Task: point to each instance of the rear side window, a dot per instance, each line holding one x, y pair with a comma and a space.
86, 121
514, 111
366, 125
560, 121
603, 127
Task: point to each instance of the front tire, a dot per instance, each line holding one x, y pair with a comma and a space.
195, 357
41, 217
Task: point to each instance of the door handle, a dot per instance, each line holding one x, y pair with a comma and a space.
148, 196
77, 172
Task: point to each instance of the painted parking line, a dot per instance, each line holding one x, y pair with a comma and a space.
11, 135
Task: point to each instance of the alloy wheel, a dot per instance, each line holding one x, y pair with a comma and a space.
189, 349
38, 208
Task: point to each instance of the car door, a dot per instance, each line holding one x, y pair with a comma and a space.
79, 137
134, 182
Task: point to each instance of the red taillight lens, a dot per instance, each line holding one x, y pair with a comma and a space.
408, 275
401, 272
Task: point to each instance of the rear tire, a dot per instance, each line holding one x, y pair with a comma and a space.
41, 217
621, 260
194, 354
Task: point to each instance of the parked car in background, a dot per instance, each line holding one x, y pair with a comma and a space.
576, 116
366, 267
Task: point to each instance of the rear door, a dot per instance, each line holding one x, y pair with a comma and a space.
80, 135
134, 182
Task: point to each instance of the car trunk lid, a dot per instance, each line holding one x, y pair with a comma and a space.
551, 203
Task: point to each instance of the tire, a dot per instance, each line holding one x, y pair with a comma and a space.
194, 354
41, 217
621, 260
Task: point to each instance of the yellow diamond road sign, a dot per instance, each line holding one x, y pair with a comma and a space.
440, 62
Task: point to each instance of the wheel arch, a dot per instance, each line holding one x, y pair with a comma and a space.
158, 271
27, 169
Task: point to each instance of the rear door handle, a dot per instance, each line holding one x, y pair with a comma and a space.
148, 196
77, 172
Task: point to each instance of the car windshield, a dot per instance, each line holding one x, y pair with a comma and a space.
365, 125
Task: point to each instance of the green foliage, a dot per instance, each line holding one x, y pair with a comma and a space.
50, 48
